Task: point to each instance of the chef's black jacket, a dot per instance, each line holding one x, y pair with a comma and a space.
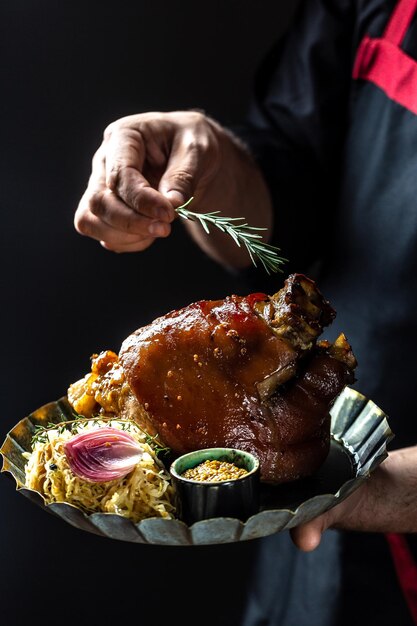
333, 126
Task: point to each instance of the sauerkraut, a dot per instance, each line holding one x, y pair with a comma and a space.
144, 492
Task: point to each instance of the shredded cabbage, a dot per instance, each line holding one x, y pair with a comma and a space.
144, 492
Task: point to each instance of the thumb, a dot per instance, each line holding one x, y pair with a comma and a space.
181, 177
307, 537
176, 197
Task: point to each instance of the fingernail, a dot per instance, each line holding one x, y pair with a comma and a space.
158, 229
175, 197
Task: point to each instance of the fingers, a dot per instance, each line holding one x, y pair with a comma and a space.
307, 537
147, 166
139, 246
101, 215
116, 214
104, 216
346, 515
178, 151
192, 163
126, 151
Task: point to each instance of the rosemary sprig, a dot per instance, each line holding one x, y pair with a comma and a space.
241, 233
152, 440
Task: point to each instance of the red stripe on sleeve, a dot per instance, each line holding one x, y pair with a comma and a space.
389, 68
406, 570
400, 21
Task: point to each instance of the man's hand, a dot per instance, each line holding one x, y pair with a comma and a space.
386, 502
147, 165
307, 537
151, 163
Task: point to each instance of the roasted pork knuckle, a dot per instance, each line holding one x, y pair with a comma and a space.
247, 372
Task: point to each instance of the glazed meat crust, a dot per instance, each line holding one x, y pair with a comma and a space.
245, 372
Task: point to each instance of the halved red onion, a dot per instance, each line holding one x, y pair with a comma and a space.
102, 454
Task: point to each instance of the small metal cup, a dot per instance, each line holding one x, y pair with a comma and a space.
198, 500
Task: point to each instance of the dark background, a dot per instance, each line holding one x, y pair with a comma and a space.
67, 70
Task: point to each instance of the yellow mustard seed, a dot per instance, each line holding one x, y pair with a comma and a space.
213, 470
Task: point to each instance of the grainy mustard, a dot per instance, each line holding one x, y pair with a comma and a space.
214, 471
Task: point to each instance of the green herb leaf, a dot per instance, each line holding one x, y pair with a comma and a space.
41, 432
241, 233
153, 442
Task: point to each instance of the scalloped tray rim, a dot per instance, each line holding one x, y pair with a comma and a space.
329, 499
